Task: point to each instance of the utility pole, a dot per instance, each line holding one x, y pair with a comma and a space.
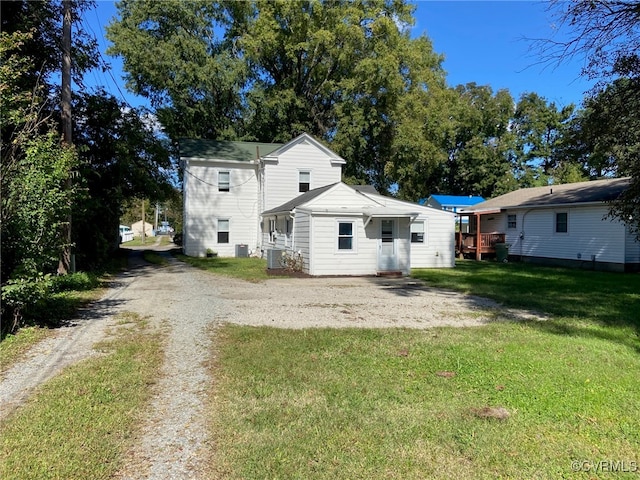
143, 234
64, 265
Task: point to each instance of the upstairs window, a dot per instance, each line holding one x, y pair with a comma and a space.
511, 221
417, 232
223, 231
304, 181
562, 222
223, 181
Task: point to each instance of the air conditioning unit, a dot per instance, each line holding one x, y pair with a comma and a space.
274, 258
242, 250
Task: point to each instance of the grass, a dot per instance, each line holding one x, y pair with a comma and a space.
579, 301
15, 346
154, 258
81, 422
250, 269
409, 404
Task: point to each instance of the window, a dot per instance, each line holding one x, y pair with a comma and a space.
223, 231
223, 181
562, 222
345, 235
511, 221
304, 181
417, 232
273, 234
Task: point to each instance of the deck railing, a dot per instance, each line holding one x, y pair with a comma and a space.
467, 242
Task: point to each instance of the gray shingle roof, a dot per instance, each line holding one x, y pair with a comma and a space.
568, 193
225, 150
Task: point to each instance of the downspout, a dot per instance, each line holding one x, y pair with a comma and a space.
260, 175
522, 232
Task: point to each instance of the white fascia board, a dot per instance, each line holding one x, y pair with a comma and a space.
333, 157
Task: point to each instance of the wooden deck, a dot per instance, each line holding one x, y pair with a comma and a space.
477, 244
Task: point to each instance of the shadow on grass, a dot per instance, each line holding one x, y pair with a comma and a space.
578, 301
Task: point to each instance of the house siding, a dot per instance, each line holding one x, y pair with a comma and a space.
204, 205
328, 260
632, 248
589, 237
281, 178
438, 249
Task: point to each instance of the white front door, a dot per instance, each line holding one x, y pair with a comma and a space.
387, 246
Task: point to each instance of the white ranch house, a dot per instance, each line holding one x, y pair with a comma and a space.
558, 224
263, 199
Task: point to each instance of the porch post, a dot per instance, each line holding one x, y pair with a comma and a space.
478, 238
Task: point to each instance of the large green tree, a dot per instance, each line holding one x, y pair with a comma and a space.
468, 141
268, 71
539, 128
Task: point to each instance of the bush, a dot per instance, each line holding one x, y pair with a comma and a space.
21, 294
177, 239
79, 281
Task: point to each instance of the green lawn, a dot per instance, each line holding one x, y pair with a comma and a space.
250, 269
80, 423
376, 404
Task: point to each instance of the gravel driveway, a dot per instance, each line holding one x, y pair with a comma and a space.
188, 303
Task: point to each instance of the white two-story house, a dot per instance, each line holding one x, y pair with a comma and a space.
248, 198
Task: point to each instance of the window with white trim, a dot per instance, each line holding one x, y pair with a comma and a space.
417, 232
223, 230
512, 221
223, 181
304, 181
345, 236
562, 222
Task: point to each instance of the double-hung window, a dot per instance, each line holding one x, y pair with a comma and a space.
223, 181
304, 181
417, 232
345, 236
511, 221
223, 230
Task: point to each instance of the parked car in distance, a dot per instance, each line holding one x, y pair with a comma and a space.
126, 234
164, 228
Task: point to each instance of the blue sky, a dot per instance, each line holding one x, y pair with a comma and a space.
482, 41
486, 42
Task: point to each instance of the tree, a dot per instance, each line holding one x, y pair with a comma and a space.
268, 71
469, 139
607, 34
123, 158
539, 129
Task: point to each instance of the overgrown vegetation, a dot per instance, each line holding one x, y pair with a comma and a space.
48, 188
81, 422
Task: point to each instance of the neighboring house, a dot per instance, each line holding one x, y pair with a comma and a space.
126, 234
137, 229
564, 224
228, 186
453, 203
